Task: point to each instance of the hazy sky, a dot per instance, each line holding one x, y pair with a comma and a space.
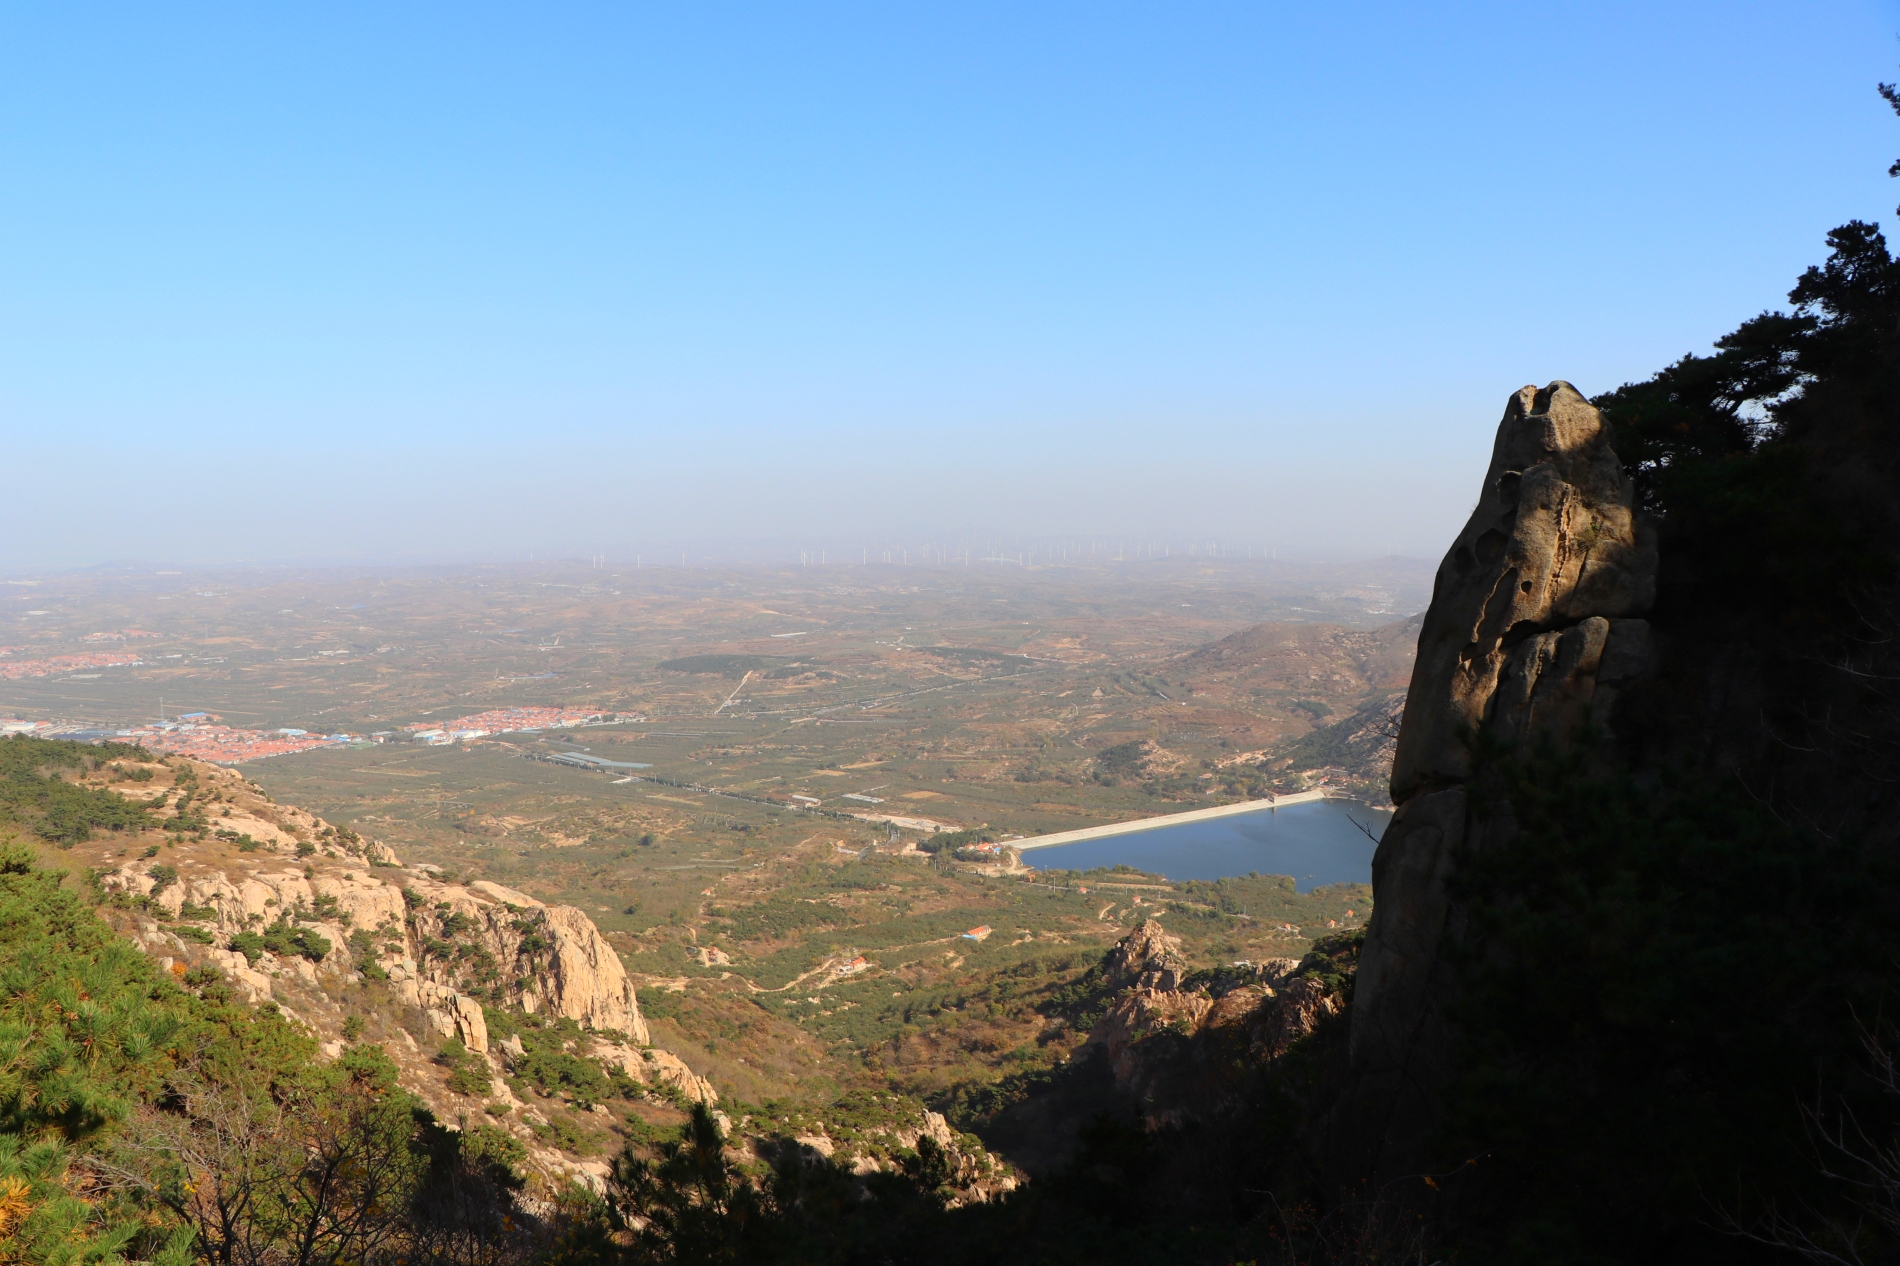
401, 280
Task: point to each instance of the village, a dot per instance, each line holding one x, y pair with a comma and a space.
195, 734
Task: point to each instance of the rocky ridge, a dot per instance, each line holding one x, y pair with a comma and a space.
1353, 755
283, 909
295, 912
1183, 1044
541, 958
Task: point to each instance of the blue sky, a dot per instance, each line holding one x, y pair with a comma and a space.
406, 281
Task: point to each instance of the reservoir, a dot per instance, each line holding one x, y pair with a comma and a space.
1317, 843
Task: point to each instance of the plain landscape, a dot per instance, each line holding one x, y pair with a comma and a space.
784, 796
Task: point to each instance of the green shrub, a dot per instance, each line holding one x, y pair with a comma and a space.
468, 1072
1124, 760
549, 1068
470, 1080
286, 940
1672, 964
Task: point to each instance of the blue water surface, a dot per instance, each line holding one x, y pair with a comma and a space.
1317, 843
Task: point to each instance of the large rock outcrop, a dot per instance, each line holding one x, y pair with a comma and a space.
1534, 627
1520, 606
438, 942
1181, 1048
560, 961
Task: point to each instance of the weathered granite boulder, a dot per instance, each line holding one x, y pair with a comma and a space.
651, 1065
1532, 630
1554, 541
452, 1014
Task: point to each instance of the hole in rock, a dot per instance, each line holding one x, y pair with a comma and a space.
1490, 546
1509, 485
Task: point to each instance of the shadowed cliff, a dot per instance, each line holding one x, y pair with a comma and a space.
1530, 631
1633, 943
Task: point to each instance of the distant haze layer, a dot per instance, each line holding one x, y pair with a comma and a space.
433, 281
579, 500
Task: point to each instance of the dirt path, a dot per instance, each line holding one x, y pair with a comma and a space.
825, 967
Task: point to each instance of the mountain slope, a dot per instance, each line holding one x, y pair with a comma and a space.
210, 876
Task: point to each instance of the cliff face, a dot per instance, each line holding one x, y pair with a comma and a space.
1533, 628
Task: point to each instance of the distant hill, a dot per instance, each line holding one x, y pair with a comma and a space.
1328, 697
1357, 751
1321, 658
